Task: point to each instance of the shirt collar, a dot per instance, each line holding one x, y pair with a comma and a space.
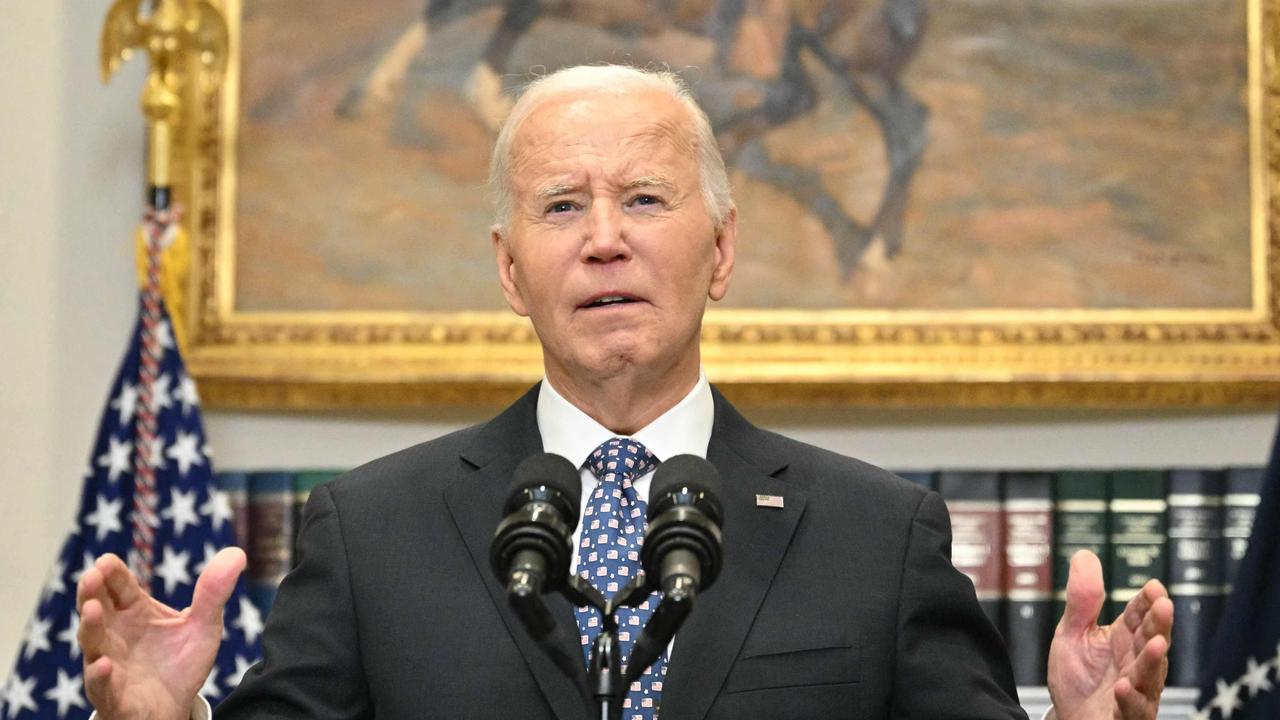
572, 434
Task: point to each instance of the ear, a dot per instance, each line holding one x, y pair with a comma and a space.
726, 244
507, 272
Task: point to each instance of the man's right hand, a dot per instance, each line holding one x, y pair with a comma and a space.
142, 658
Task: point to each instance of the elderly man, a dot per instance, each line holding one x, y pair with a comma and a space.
615, 225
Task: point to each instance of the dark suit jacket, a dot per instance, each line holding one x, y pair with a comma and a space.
843, 604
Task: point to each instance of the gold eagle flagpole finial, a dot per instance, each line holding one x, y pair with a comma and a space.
173, 30
185, 41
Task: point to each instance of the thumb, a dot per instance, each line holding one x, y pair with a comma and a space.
214, 586
1085, 594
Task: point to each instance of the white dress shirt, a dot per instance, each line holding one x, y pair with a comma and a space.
572, 434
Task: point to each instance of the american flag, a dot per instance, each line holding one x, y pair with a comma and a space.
150, 434
1242, 681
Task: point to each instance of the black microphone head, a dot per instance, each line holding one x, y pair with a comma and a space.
545, 472
686, 479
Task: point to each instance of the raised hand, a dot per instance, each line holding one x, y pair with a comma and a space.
1112, 671
142, 658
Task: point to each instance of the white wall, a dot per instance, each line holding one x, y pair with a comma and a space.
70, 193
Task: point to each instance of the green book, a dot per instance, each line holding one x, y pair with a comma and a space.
1139, 534
1079, 523
304, 481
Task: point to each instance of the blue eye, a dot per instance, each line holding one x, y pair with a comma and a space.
561, 206
645, 200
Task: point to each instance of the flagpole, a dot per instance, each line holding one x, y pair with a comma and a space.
172, 34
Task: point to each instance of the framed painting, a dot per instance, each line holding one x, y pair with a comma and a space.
969, 203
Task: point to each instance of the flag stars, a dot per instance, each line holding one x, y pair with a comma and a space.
182, 510
242, 666
186, 451
210, 688
209, 552
250, 621
67, 693
68, 636
1227, 701
155, 453
160, 393
17, 696
173, 569
116, 458
37, 638
105, 517
1255, 677
186, 393
126, 402
55, 585
164, 335
218, 509
84, 568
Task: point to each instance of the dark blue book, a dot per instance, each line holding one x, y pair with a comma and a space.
1028, 573
1197, 577
926, 480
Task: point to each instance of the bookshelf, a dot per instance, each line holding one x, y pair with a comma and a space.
1176, 703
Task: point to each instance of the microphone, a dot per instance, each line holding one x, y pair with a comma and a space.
534, 542
682, 547
681, 552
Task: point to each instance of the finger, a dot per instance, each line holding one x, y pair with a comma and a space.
1156, 623
92, 634
91, 586
120, 581
97, 684
1148, 673
215, 584
1132, 704
1085, 594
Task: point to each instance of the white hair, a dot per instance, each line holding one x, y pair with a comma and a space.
585, 78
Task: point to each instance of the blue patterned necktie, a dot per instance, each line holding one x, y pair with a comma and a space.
609, 557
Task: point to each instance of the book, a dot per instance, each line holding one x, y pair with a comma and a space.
271, 535
1197, 577
1028, 536
236, 487
1139, 532
926, 480
304, 481
977, 534
1079, 523
1243, 494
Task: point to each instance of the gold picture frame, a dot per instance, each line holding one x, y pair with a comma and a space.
989, 357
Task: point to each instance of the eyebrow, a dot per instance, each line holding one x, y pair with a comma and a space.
549, 191
649, 181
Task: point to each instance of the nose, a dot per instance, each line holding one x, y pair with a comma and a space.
604, 236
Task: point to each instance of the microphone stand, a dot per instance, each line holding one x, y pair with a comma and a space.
606, 681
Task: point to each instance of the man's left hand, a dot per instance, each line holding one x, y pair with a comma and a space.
1112, 671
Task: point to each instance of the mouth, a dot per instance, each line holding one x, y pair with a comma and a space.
610, 299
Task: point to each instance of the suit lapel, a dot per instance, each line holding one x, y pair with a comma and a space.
755, 540
475, 503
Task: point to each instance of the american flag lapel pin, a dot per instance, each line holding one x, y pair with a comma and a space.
772, 501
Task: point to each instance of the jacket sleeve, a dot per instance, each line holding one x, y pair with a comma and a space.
311, 663
951, 661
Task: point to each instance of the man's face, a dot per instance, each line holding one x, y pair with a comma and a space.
610, 249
